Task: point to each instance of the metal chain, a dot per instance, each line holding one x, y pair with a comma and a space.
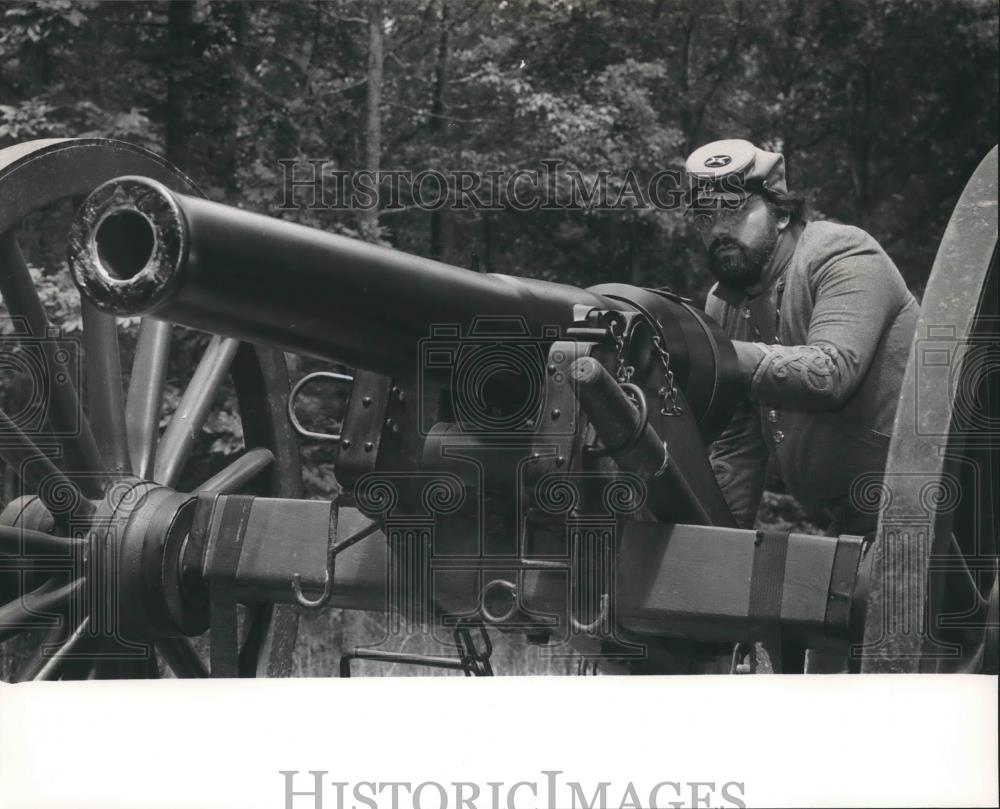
744, 659
668, 393
475, 661
623, 372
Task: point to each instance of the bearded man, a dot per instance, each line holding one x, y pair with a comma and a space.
822, 322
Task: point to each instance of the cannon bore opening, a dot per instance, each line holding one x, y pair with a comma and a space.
498, 601
125, 242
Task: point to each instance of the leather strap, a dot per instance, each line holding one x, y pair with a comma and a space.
767, 581
228, 529
843, 576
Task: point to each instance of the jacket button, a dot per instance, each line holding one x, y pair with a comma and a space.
778, 436
772, 416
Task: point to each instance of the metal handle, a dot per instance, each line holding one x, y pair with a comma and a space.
635, 395
332, 549
294, 419
592, 627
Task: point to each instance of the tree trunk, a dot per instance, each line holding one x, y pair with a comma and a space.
180, 39
686, 105
373, 120
634, 266
241, 60
439, 223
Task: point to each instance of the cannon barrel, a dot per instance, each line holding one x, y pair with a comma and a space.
138, 248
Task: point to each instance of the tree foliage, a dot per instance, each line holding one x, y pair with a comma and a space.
882, 107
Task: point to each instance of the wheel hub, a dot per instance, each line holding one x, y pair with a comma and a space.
140, 584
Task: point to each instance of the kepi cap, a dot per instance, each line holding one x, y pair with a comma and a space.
727, 170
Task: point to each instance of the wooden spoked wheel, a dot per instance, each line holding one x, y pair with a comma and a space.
86, 454
933, 598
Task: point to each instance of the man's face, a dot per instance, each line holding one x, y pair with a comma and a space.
740, 241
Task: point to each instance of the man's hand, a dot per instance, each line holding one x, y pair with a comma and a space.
749, 356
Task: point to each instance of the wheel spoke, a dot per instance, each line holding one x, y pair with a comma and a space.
22, 613
191, 413
55, 664
17, 540
38, 659
240, 472
36, 468
259, 622
145, 393
970, 580
62, 408
104, 386
33, 565
183, 660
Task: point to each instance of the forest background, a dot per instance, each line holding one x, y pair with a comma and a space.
882, 109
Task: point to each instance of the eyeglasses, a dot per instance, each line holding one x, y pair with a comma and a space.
705, 218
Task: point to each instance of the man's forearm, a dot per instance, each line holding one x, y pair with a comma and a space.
806, 377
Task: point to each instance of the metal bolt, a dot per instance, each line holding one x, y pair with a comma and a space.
556, 413
560, 460
400, 394
345, 443
551, 369
369, 446
366, 401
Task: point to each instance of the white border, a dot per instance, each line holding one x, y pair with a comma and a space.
872, 740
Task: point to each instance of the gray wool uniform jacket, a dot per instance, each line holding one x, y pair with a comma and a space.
822, 397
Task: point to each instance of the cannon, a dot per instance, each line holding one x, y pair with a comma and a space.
515, 455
